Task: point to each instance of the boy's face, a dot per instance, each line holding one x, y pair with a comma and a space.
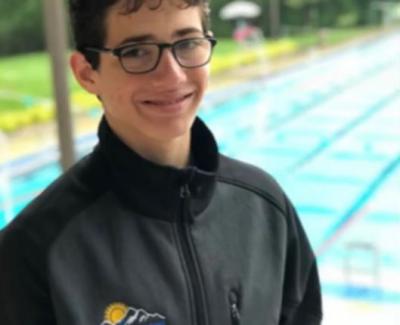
159, 105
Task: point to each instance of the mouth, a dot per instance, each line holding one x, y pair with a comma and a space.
172, 102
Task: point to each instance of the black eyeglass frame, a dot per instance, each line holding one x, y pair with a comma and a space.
161, 46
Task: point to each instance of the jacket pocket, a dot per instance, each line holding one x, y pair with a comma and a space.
234, 307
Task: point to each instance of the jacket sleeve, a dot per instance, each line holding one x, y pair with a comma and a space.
302, 303
24, 298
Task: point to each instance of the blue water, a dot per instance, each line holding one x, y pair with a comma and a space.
328, 130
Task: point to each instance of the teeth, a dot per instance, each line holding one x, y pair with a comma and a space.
166, 102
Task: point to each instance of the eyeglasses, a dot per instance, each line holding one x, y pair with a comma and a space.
144, 57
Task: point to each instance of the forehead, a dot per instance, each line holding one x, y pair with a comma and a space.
161, 23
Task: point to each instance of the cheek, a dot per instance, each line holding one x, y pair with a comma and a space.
112, 83
116, 102
201, 76
112, 95
117, 92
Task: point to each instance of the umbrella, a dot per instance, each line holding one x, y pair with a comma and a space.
240, 9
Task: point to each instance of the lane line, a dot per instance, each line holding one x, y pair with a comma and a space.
358, 210
347, 128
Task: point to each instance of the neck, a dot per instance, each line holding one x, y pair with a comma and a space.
172, 152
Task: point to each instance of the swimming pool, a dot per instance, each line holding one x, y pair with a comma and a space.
329, 131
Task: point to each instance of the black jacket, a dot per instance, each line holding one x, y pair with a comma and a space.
120, 240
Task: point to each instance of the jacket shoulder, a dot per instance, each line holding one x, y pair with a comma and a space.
252, 178
69, 194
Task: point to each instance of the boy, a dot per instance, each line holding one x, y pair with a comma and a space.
155, 226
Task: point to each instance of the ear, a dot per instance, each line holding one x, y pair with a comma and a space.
83, 72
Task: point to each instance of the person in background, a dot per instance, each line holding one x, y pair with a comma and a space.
155, 226
248, 34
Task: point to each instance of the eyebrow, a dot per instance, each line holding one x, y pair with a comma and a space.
151, 37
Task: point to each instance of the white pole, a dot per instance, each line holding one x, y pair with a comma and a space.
56, 37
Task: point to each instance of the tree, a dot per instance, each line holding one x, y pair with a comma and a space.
21, 26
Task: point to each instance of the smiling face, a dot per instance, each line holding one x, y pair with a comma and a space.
158, 106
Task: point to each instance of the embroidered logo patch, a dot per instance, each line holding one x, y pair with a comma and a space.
121, 314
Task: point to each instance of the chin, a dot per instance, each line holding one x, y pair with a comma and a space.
170, 130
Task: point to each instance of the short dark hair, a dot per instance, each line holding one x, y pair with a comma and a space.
88, 20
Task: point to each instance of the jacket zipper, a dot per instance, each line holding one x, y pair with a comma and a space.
190, 259
234, 307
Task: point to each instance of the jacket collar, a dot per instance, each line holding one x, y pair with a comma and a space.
153, 190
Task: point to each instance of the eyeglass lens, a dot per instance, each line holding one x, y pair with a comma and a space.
189, 53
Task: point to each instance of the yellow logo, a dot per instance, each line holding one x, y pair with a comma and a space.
115, 313
118, 313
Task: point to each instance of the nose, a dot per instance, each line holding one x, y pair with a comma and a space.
168, 69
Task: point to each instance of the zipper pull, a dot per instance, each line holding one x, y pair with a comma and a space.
185, 191
185, 195
234, 308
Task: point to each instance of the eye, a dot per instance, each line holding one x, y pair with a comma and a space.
138, 51
190, 44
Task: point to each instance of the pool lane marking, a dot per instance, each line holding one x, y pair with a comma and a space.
358, 209
374, 109
29, 163
362, 293
248, 90
334, 92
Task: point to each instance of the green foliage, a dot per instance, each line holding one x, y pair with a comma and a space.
309, 14
21, 26
347, 19
29, 73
